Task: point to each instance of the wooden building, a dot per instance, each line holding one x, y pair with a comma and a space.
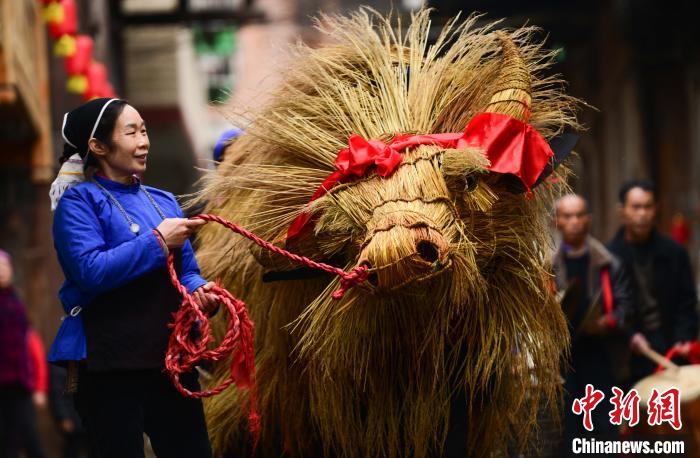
26, 157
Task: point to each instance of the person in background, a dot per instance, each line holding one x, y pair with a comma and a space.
597, 304
19, 386
222, 143
39, 369
224, 140
65, 416
661, 276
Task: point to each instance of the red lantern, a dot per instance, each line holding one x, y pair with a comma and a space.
80, 60
97, 80
65, 23
109, 91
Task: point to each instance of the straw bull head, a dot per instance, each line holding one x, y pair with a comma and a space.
406, 223
457, 317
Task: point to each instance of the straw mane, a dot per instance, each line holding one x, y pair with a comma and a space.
376, 373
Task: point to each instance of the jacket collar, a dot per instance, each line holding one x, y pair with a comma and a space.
619, 241
600, 256
116, 186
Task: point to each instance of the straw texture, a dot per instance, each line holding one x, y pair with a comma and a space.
459, 299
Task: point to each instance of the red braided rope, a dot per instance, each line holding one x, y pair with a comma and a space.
347, 279
186, 348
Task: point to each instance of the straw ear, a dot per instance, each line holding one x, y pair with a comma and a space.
512, 96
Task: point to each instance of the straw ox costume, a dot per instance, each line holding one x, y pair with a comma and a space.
429, 164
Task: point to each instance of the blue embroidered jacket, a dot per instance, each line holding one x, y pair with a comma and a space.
98, 252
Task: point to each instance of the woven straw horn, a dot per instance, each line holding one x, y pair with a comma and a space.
514, 85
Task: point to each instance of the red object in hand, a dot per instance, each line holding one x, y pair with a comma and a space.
185, 350
693, 355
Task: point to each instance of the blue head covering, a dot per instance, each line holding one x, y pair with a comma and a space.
223, 140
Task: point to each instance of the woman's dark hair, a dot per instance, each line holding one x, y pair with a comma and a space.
103, 132
105, 128
645, 185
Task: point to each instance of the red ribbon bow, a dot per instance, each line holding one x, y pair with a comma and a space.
361, 154
511, 146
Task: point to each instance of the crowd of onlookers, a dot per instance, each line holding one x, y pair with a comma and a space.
624, 299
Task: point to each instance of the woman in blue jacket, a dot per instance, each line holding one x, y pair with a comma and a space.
112, 235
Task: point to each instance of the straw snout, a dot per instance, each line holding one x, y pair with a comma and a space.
400, 255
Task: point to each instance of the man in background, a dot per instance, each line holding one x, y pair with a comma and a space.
597, 302
661, 276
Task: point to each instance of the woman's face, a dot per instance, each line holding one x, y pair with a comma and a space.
130, 144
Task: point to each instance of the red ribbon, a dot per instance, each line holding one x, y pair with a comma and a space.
511, 146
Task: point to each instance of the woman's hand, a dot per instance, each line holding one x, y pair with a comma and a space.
207, 302
176, 231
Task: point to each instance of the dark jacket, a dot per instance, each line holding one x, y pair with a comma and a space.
673, 287
601, 258
602, 360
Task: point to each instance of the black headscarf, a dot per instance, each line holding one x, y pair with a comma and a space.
79, 127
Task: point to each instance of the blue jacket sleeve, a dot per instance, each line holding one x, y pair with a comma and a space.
190, 277
86, 257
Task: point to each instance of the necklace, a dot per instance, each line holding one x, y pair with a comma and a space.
133, 227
